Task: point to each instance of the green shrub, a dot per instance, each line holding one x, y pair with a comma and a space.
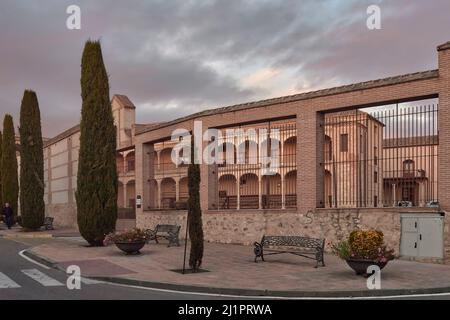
32, 206
97, 184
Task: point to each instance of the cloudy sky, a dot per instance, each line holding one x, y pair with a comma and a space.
175, 57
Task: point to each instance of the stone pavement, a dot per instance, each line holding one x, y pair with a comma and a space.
17, 232
232, 267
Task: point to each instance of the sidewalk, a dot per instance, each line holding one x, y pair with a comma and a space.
232, 270
17, 232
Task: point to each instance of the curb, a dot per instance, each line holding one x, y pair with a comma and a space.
26, 236
42, 260
247, 292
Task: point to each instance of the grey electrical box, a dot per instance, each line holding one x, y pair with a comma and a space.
422, 236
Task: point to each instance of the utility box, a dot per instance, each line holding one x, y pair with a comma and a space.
422, 236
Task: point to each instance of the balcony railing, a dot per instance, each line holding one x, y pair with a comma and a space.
401, 174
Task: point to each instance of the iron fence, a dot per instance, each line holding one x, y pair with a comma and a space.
258, 166
382, 156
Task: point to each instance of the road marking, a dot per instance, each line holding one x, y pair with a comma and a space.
6, 282
281, 297
21, 253
90, 281
42, 278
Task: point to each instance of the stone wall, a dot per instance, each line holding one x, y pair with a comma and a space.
246, 227
65, 214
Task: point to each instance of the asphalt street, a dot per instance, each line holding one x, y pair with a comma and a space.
22, 279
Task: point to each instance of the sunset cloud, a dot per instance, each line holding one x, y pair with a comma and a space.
176, 57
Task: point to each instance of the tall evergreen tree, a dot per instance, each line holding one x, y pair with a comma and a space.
32, 206
10, 183
195, 213
97, 177
1, 196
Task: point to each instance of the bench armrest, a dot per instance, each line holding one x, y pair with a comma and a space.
258, 250
151, 234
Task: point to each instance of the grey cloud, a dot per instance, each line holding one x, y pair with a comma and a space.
160, 52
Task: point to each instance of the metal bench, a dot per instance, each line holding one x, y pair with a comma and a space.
166, 231
48, 223
301, 246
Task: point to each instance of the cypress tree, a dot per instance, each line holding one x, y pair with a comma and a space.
10, 183
1, 196
97, 184
32, 206
195, 213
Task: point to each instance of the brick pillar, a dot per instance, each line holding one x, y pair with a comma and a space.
310, 182
444, 128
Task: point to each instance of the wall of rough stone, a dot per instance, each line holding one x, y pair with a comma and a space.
246, 227
65, 215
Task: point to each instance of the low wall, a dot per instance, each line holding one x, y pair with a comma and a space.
247, 226
65, 214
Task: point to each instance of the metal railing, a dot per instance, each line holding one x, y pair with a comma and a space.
381, 156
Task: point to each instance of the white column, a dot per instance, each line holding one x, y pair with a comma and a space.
177, 189
259, 192
158, 182
158, 155
125, 200
238, 193
394, 191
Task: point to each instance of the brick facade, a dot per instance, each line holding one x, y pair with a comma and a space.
308, 111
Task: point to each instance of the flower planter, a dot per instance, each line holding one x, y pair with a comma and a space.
130, 247
360, 266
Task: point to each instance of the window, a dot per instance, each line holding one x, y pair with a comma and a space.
375, 177
130, 165
375, 156
375, 201
408, 168
344, 142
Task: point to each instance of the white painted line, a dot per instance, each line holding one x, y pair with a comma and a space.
90, 281
42, 278
6, 282
281, 298
21, 253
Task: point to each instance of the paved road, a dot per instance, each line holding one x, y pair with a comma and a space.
22, 279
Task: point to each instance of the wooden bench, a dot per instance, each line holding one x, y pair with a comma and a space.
310, 248
48, 223
166, 231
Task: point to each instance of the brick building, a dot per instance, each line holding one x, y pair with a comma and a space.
306, 198
368, 155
